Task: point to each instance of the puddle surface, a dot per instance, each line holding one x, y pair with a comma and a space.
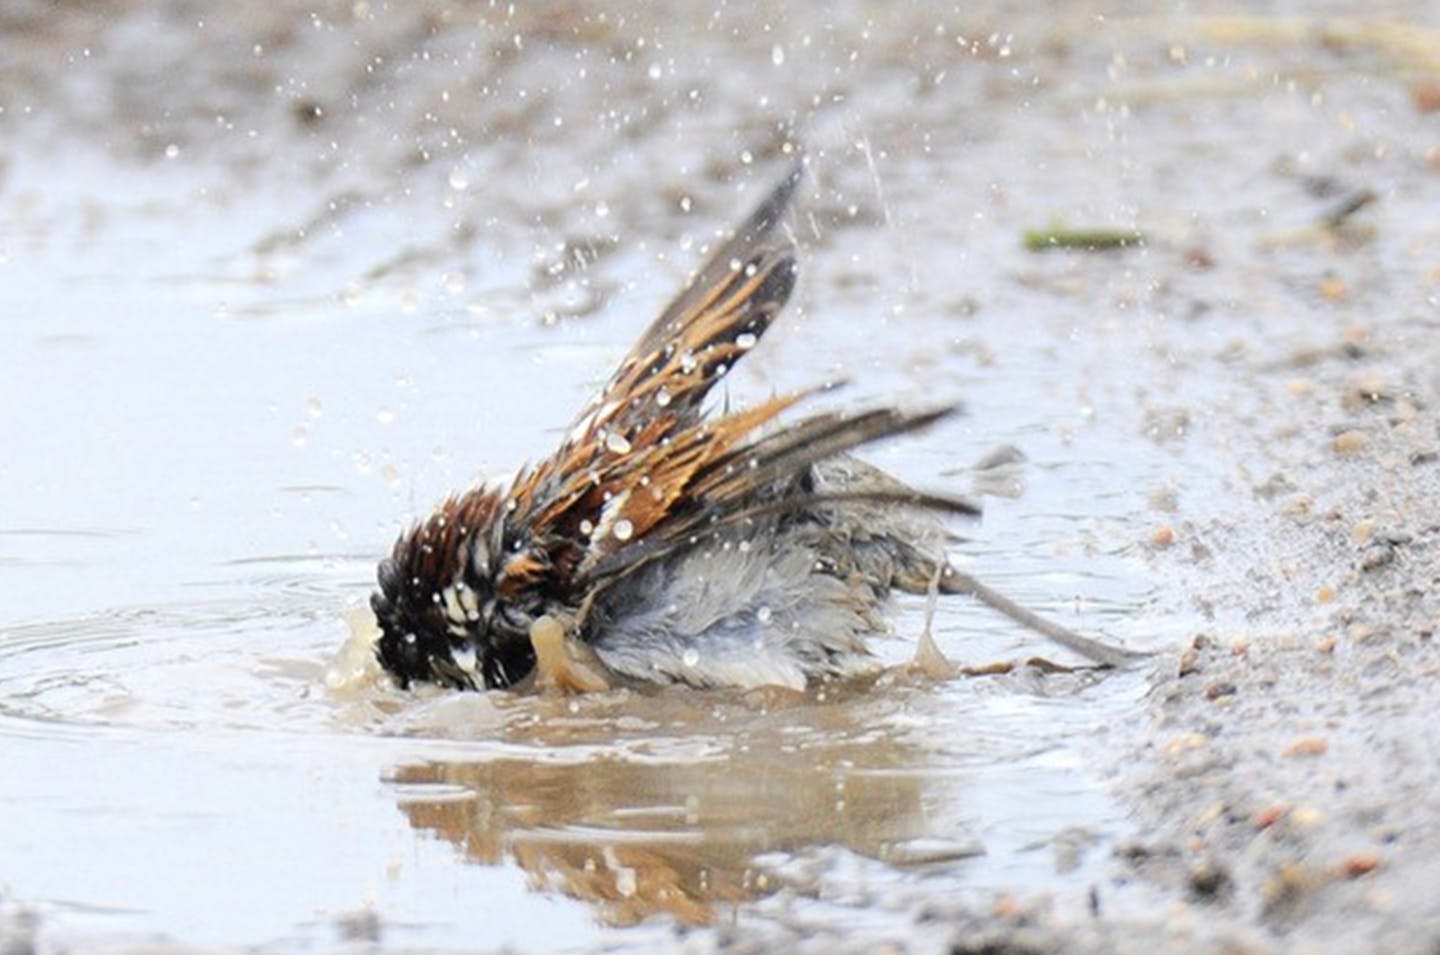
184, 769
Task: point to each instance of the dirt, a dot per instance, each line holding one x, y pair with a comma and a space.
1274, 342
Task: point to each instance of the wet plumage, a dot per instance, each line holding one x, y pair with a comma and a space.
734, 549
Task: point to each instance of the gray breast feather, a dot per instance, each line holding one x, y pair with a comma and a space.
739, 612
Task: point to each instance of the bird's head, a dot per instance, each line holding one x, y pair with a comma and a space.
455, 599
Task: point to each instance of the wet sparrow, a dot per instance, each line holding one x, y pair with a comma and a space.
674, 546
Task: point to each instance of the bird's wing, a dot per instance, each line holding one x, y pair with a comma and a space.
656, 393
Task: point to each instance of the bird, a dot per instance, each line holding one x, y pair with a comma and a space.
665, 542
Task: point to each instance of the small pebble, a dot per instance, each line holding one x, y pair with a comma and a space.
1185, 743
1425, 96
1360, 863
1307, 746
1350, 442
1217, 690
1377, 557
1208, 879
1189, 661
1271, 814
1163, 537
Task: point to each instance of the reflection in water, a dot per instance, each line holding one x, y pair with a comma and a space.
642, 833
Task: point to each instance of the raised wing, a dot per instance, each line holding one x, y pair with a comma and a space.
721, 314
657, 391
643, 473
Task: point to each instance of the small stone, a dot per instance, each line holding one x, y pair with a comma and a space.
1208, 879
1325, 595
1162, 537
1377, 557
1189, 661
1307, 746
1186, 743
1198, 257
1350, 442
1298, 505
1283, 889
1425, 96
1217, 690
1360, 863
1271, 814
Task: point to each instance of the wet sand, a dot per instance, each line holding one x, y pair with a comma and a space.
1232, 452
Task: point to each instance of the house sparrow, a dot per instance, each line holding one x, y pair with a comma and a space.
667, 545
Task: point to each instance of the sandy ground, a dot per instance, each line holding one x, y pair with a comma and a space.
1284, 775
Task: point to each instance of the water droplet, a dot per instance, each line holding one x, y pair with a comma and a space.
746, 340
662, 398
617, 443
313, 407
299, 436
626, 882
586, 527
764, 614
655, 71
691, 657
385, 416
171, 151
623, 529
602, 209
777, 55
459, 181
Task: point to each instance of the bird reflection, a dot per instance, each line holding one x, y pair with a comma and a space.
689, 825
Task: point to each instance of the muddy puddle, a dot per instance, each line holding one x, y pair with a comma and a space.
188, 773
183, 768
255, 325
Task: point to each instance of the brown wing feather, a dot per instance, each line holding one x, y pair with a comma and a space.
747, 480
657, 391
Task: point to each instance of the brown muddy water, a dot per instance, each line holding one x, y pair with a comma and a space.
257, 320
